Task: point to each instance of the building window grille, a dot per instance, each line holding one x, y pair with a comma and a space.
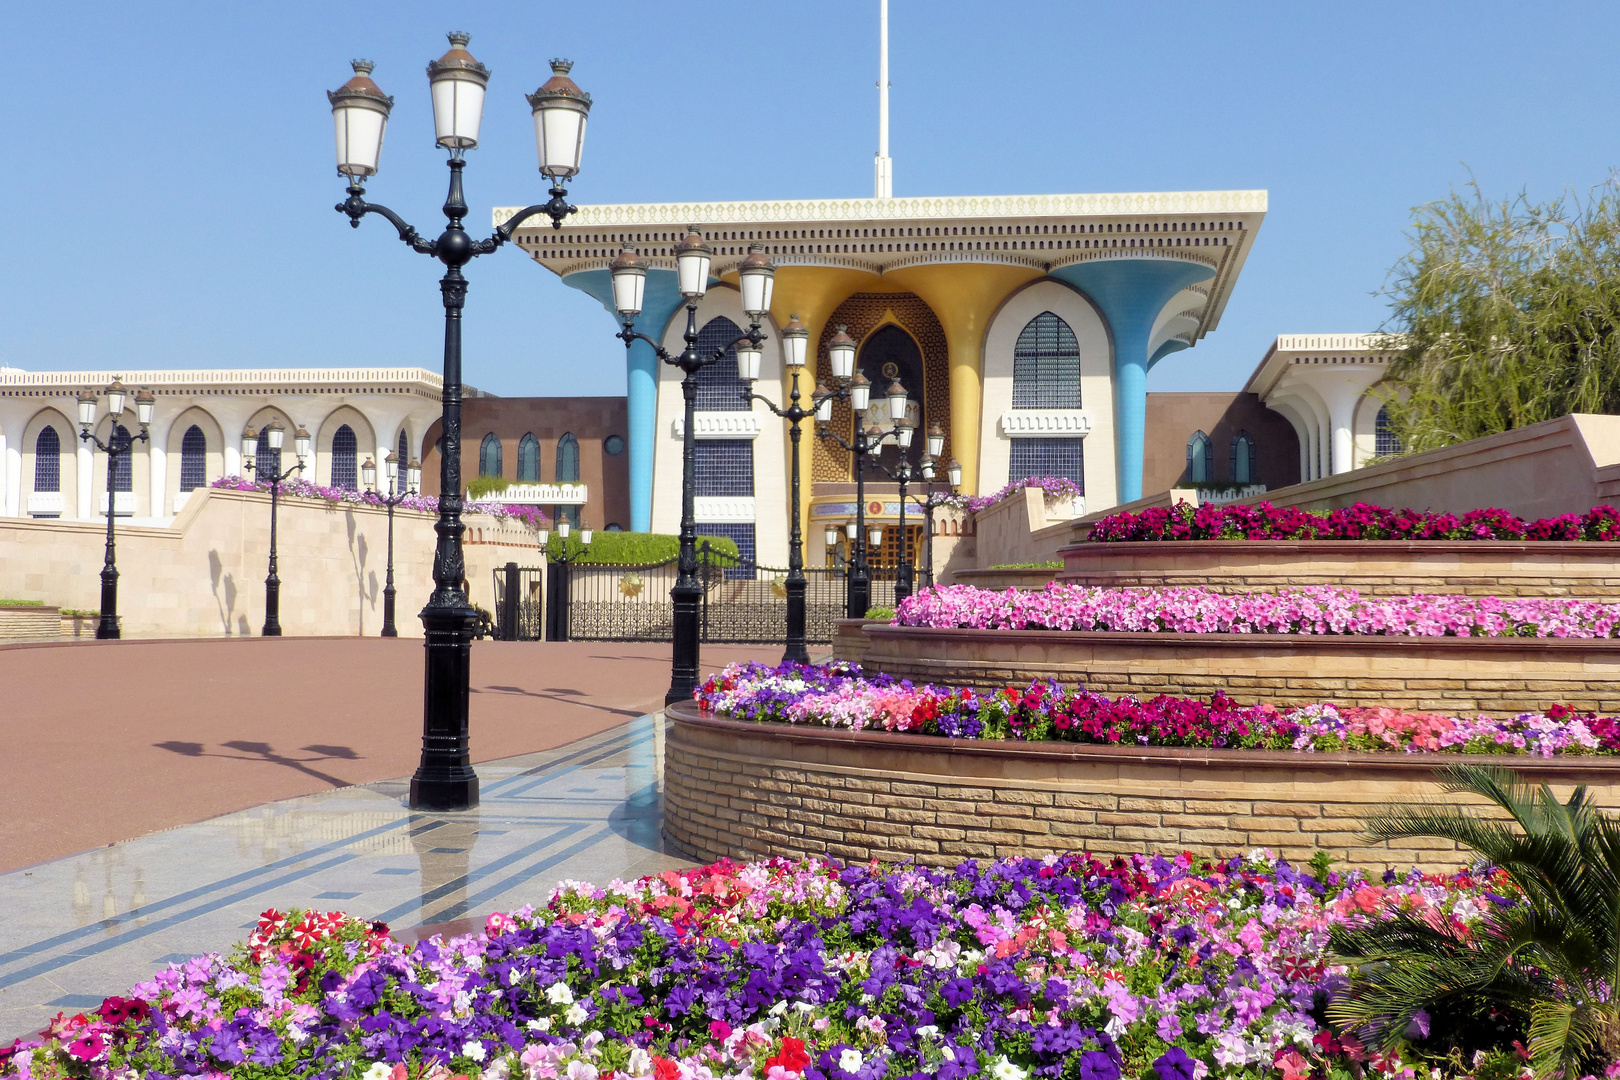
528, 470
739, 533
725, 467
489, 456
404, 452
48, 460
1048, 457
568, 459
1198, 471
193, 459
266, 462
123, 471
1385, 441
344, 476
718, 387
1046, 365
1243, 459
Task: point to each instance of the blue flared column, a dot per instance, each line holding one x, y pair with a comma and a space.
661, 301
1131, 293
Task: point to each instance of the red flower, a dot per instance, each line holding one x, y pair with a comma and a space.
665, 1069
792, 1056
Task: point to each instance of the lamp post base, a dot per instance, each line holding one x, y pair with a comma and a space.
683, 672
444, 794
444, 778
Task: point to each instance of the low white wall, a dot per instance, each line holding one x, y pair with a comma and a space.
204, 575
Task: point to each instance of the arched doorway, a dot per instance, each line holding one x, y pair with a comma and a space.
889, 353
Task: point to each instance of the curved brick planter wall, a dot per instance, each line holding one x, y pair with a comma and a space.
744, 790
1500, 676
1376, 567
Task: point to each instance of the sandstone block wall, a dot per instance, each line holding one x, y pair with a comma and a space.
748, 790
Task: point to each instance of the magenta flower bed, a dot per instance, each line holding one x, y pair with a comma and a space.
1308, 611
303, 489
1054, 487
1359, 522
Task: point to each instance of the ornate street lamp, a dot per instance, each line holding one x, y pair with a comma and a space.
115, 447
903, 475
930, 464
692, 258
275, 436
444, 779
558, 571
795, 344
413, 483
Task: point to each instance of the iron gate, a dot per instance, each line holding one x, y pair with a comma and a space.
519, 602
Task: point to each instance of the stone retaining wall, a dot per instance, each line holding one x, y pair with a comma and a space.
26, 622
1500, 676
1582, 570
744, 790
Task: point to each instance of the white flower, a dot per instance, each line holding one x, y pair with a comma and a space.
463, 1004
378, 1071
474, 1050
581, 1070
927, 1031
640, 1061
779, 1008
559, 994
950, 1055
541, 1024
802, 1007
575, 1015
850, 1059
1006, 1070
499, 1070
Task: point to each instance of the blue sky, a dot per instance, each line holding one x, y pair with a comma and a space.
171, 180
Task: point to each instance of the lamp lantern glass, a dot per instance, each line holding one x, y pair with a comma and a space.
841, 354
692, 265
936, 440
860, 393
903, 433
928, 467
830, 534
359, 118
544, 536
275, 434
458, 83
414, 472
250, 446
560, 109
562, 528
795, 342
851, 528
824, 403
897, 401
755, 276
585, 536
115, 399
629, 282
145, 402
87, 409
391, 467
954, 471
874, 535
368, 474
301, 444
748, 357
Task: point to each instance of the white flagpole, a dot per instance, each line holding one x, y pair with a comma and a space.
884, 166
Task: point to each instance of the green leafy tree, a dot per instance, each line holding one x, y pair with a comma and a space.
1504, 314
1551, 960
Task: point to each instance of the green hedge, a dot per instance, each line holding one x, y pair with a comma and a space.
482, 487
635, 549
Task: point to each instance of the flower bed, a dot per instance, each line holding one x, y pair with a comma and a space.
1174, 968
1362, 521
1307, 611
1055, 488
842, 696
302, 489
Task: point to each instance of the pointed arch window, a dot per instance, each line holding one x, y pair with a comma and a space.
404, 449
1243, 459
193, 459
528, 465
1198, 471
568, 459
123, 466
344, 446
266, 462
1385, 441
48, 460
718, 387
489, 456
1046, 365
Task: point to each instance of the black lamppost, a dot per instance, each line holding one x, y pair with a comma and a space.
115, 447
902, 475
559, 582
444, 779
275, 435
795, 342
930, 465
756, 275
413, 484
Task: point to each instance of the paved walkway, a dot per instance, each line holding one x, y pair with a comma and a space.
108, 741
81, 928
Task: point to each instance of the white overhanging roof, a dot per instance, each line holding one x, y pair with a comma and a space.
1295, 350
371, 380
1042, 232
